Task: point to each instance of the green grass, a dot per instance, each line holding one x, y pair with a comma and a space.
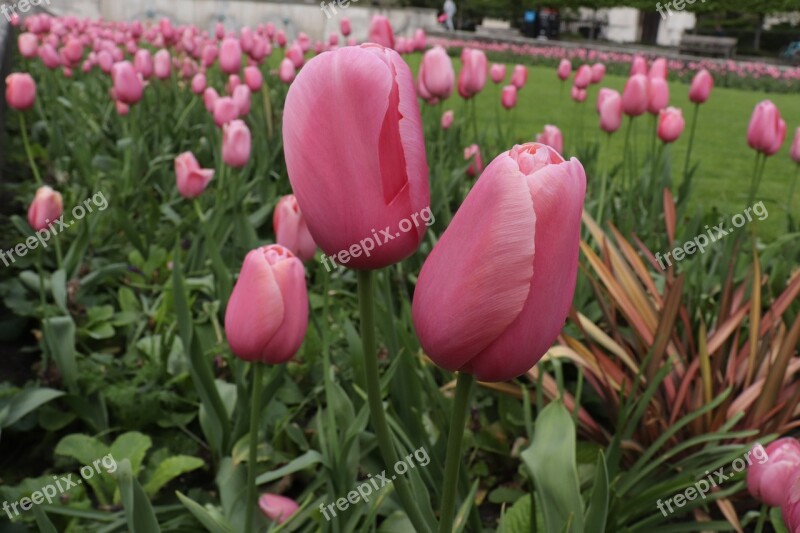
726, 162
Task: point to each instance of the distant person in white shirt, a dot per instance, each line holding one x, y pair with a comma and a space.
450, 11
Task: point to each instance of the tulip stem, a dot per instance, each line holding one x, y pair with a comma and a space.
453, 459
691, 143
23, 128
379, 425
255, 411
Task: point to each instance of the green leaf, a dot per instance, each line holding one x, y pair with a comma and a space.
597, 513
169, 469
44, 523
26, 402
131, 446
777, 520
59, 338
58, 284
83, 448
551, 460
139, 513
307, 460
213, 522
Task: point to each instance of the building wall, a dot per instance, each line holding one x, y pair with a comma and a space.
672, 29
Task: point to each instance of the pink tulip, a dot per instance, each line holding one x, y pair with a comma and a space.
670, 124
236, 143
233, 82
494, 292
790, 509
241, 97
497, 72
287, 71
472, 78
277, 508
767, 129
509, 97
472, 153
253, 78
768, 479
659, 95
609, 106
72, 51
638, 65
143, 63
267, 314
436, 74
658, 70
380, 31
20, 91
552, 137
246, 40
636, 96
598, 72
209, 55
420, 40
344, 25
128, 86
583, 77
564, 69
230, 55
122, 108
51, 59
162, 64
225, 111
291, 229
579, 95
46, 207
190, 179
210, 97
519, 77
384, 169
280, 38
28, 45
295, 53
795, 150
447, 119
199, 83
702, 83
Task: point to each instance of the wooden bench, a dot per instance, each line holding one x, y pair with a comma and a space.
708, 45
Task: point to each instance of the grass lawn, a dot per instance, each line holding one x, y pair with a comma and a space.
726, 162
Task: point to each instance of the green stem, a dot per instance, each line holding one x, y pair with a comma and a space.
24, 131
603, 181
453, 459
379, 424
691, 143
625, 164
255, 411
793, 187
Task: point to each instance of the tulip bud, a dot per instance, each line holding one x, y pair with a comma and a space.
20, 91
344, 25
46, 207
638, 65
210, 97
609, 107
509, 97
658, 95
190, 179
225, 110
277, 508
790, 509
564, 69
767, 130
241, 96
495, 290
473, 153
795, 150
583, 77
769, 480
636, 96
162, 64
267, 314
380, 32
143, 63
28, 45
578, 94
128, 86
236, 144
702, 83
436, 74
598, 72
199, 83
291, 229
670, 124
552, 137
658, 70
287, 71
230, 56
472, 77
497, 72
519, 77
253, 78
384, 169
447, 119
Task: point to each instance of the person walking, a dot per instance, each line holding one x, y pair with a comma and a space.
450, 12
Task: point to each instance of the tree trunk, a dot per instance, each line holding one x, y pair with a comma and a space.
757, 34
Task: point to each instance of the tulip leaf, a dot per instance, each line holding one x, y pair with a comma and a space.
213, 522
552, 463
597, 513
139, 513
169, 469
59, 337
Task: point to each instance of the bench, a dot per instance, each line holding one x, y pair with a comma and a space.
708, 45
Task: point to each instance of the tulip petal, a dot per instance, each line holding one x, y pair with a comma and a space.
290, 278
483, 261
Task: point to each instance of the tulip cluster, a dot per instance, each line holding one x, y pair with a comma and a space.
776, 482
